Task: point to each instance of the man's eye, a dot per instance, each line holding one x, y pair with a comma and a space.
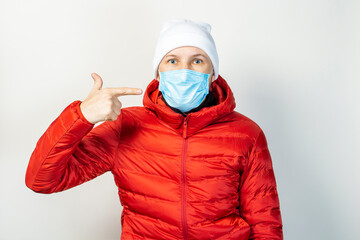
197, 61
172, 61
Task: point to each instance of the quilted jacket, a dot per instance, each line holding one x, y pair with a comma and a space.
206, 175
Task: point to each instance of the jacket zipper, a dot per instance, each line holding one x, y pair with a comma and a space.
184, 224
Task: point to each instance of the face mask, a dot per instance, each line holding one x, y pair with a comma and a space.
184, 89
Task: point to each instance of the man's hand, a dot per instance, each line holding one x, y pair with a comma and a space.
103, 104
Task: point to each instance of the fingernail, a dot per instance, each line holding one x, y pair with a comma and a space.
139, 91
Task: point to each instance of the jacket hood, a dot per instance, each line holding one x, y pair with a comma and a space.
225, 104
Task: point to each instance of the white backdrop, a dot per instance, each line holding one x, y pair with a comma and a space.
293, 67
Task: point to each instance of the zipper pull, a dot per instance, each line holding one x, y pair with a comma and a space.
185, 127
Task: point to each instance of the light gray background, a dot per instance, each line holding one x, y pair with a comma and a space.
292, 65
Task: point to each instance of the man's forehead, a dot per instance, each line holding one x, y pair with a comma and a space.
187, 50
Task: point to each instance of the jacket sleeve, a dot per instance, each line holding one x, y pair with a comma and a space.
71, 152
259, 202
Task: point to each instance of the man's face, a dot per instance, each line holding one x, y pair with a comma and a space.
192, 58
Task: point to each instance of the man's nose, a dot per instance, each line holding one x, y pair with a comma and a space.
185, 65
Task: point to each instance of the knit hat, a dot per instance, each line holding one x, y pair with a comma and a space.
182, 32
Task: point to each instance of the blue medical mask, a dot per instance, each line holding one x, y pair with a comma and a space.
184, 89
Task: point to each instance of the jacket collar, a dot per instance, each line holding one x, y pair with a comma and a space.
208, 101
225, 104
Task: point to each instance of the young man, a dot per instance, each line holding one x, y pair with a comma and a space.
187, 165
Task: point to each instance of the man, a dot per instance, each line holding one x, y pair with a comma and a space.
187, 165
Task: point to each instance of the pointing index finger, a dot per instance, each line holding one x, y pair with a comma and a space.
125, 91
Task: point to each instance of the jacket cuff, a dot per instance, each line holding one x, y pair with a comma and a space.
77, 109
74, 122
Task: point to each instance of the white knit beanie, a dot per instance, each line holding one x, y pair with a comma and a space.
182, 32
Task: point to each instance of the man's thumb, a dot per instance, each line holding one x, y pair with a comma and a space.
98, 82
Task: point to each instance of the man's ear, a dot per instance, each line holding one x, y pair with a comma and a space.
213, 75
157, 75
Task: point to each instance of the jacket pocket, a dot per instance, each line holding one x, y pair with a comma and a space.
242, 231
231, 227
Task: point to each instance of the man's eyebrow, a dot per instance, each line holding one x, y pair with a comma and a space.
171, 55
199, 54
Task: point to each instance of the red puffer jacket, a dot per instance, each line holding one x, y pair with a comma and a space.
208, 175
